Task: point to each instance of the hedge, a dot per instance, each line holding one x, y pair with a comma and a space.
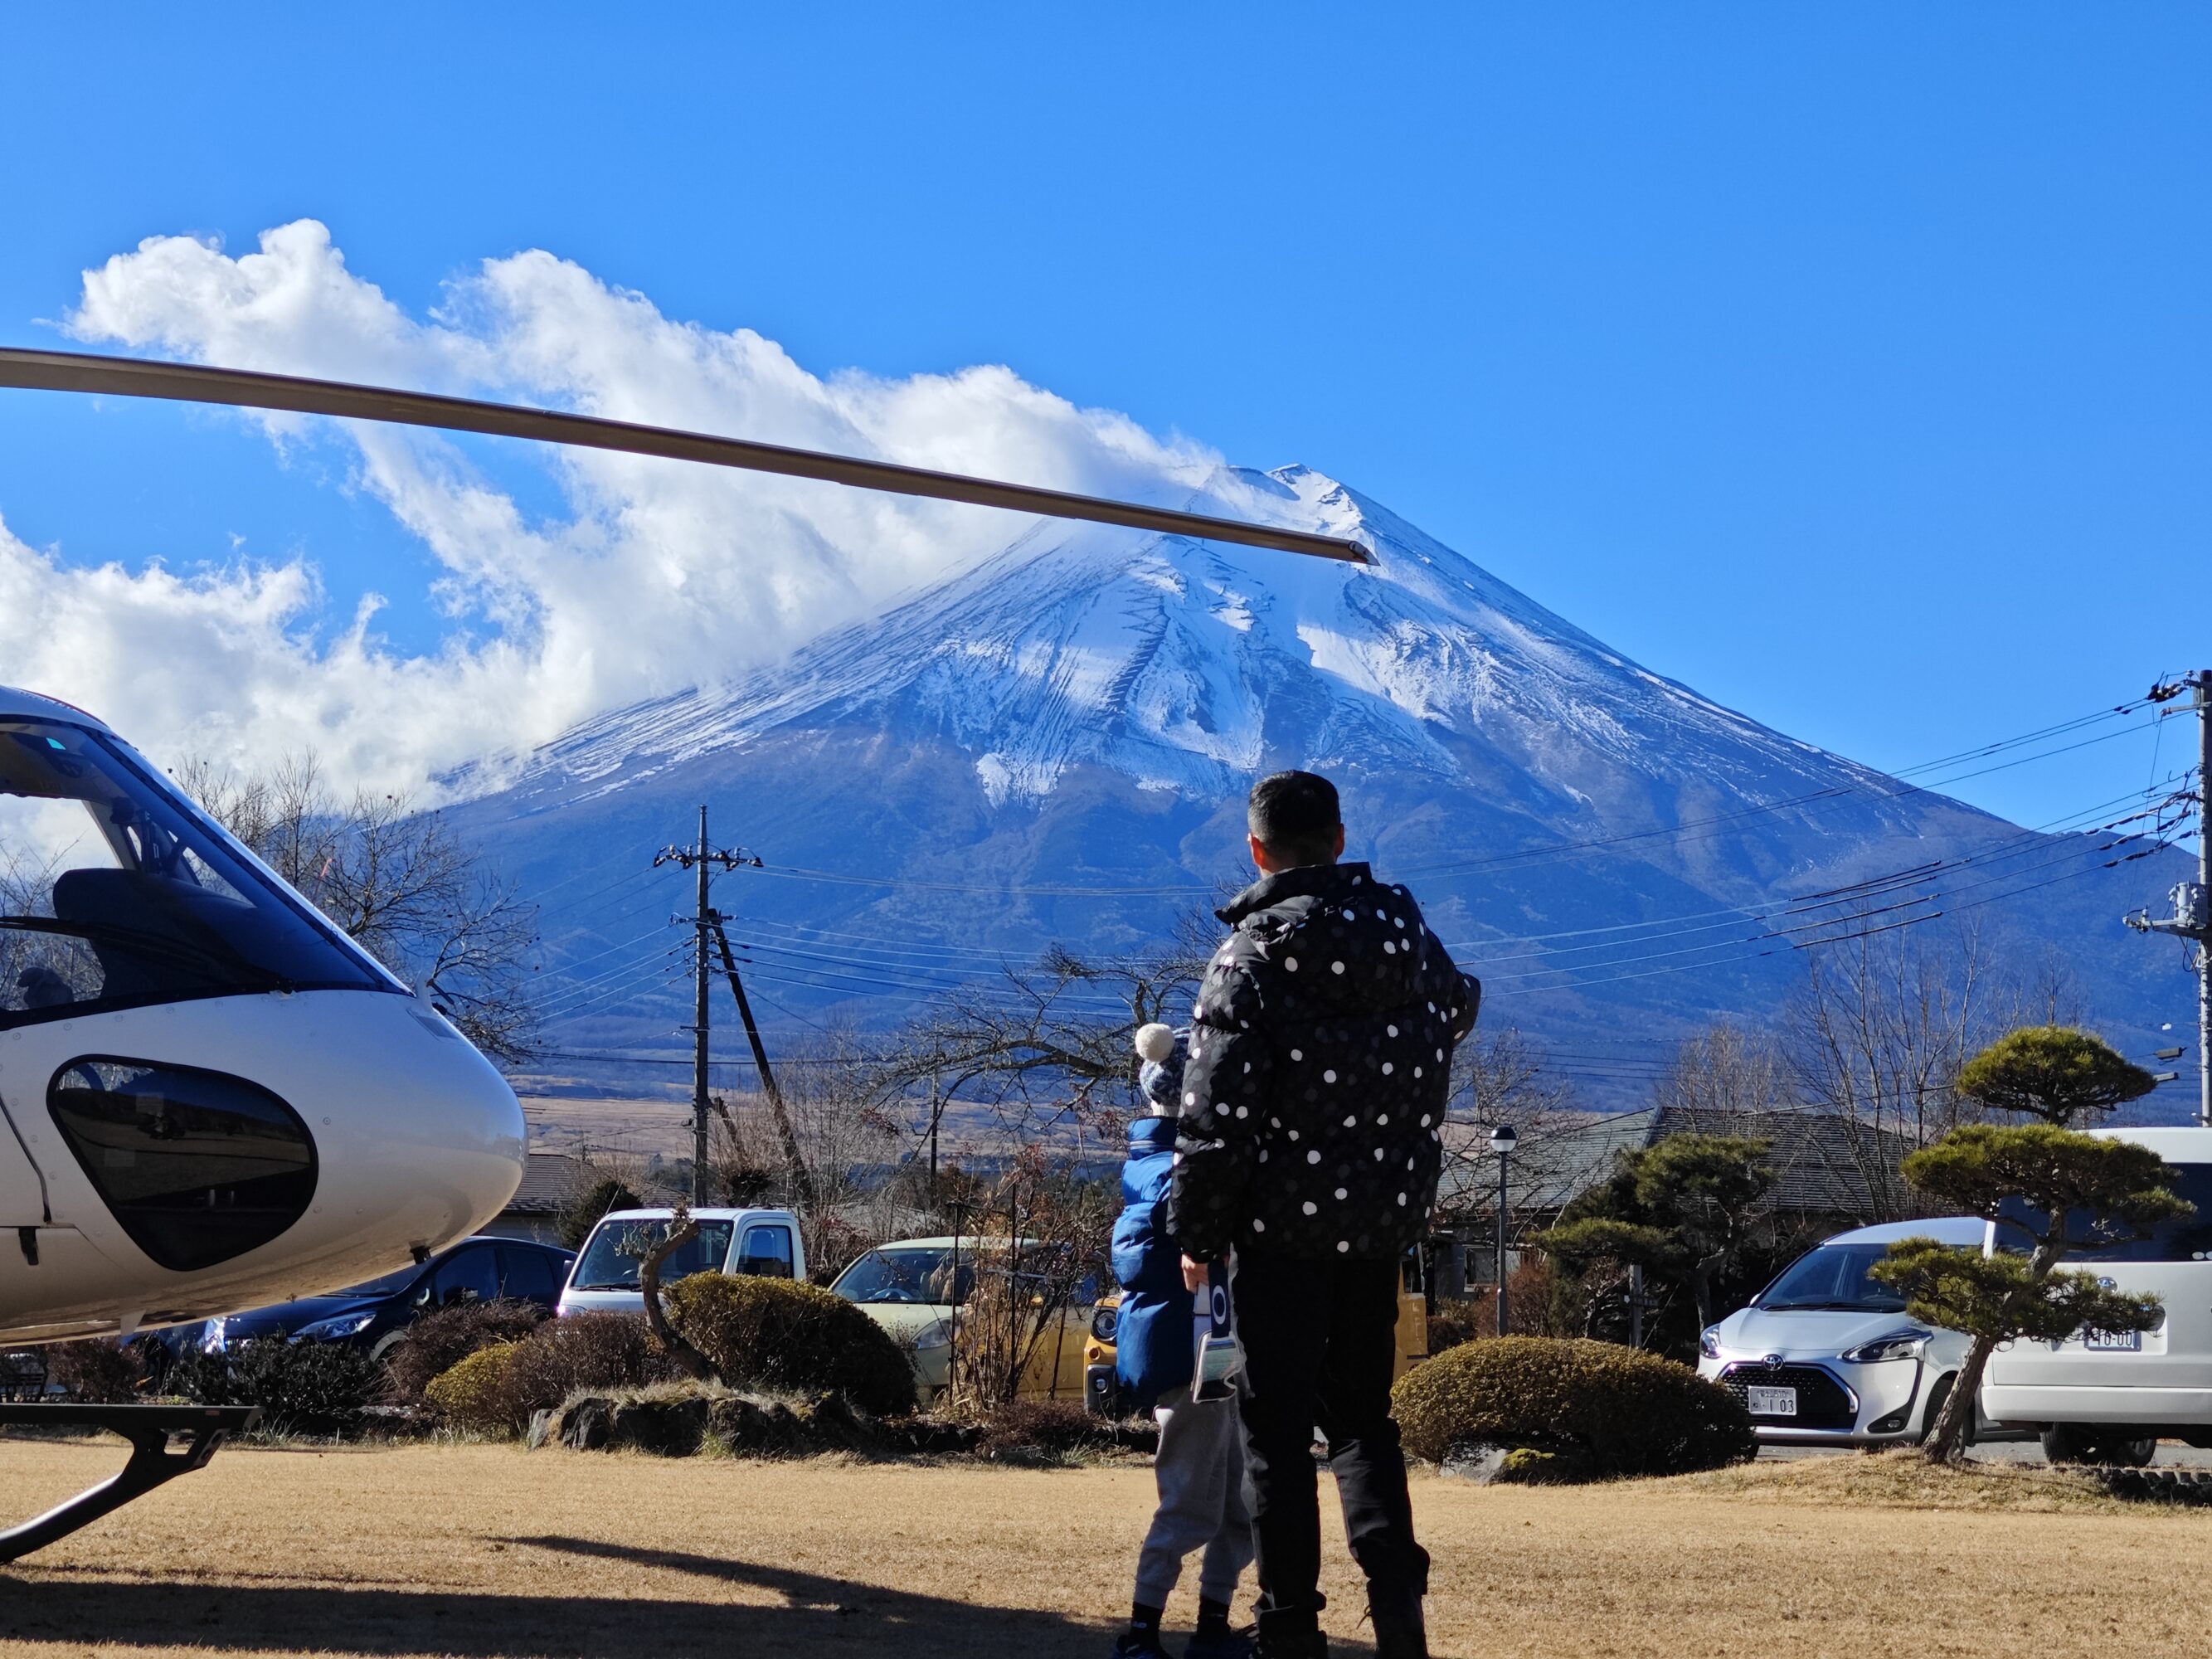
787, 1337
1609, 1410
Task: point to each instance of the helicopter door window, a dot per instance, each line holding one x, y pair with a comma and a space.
198, 1166
116, 892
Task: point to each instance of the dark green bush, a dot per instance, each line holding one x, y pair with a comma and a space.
437, 1342
99, 1369
794, 1339
585, 1209
302, 1388
1610, 1410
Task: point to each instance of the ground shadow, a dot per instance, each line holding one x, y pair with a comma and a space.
819, 1616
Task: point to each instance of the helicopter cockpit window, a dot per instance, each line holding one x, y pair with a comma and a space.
198, 1166
116, 892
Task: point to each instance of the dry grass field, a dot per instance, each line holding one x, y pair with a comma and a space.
490, 1551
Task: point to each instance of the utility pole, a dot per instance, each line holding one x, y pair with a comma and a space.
2192, 900
802, 1184
699, 858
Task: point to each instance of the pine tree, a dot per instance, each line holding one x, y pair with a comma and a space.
1680, 1209
2043, 1178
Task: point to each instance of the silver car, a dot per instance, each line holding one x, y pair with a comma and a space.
1825, 1356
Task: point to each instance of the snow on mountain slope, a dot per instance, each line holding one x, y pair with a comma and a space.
1185, 667
1055, 743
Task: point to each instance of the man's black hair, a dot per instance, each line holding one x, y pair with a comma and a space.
1296, 816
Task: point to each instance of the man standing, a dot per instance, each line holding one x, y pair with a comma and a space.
1310, 1139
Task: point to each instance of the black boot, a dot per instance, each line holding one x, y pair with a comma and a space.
1291, 1633
1400, 1633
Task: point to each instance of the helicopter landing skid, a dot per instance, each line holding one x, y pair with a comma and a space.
148, 1430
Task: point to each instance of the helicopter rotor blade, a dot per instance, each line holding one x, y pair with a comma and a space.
129, 377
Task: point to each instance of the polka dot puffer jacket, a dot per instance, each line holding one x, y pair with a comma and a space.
1320, 1060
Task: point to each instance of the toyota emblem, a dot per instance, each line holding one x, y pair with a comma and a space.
1773, 1360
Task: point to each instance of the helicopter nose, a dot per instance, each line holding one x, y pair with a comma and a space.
420, 1139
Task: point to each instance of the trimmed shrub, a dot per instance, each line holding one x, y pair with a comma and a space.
473, 1393
774, 1334
302, 1388
437, 1342
1606, 1409
499, 1387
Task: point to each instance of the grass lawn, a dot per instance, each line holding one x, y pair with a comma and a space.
488, 1550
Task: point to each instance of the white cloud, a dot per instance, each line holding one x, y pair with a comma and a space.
660, 576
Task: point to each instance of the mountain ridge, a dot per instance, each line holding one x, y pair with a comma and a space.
1053, 744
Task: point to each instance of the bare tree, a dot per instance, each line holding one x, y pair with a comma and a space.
1040, 1248
843, 1132
1037, 1047
1876, 1034
1731, 1078
400, 882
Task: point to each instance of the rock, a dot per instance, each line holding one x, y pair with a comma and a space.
1489, 1464
839, 1424
586, 1425
747, 1423
1479, 1462
667, 1428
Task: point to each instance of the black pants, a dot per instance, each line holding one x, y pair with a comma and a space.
1320, 1345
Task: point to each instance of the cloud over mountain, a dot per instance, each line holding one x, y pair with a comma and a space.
651, 575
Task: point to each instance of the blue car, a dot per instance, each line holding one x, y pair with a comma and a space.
375, 1315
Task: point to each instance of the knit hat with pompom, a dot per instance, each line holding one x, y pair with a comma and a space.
1164, 1050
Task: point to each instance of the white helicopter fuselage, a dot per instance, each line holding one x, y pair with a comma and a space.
209, 1099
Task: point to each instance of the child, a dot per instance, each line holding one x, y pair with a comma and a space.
1200, 1466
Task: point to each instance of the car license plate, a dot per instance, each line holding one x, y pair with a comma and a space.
1772, 1403
2112, 1342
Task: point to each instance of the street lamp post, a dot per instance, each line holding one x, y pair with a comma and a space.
1502, 1142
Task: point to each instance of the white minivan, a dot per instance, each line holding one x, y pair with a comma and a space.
763, 1242
2110, 1397
1825, 1355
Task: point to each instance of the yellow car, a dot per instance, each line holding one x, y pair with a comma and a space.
1100, 1392
915, 1288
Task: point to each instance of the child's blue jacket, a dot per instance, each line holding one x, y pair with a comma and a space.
1153, 1338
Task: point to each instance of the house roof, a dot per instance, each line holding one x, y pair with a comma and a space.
549, 1182
1823, 1165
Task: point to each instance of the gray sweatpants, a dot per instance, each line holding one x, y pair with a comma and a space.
1201, 1473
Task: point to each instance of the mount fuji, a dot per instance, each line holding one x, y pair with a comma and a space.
1052, 746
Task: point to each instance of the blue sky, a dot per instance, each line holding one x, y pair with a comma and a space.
1850, 366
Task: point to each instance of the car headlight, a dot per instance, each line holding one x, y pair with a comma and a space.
1709, 1342
1897, 1345
1105, 1322
333, 1330
212, 1339
932, 1336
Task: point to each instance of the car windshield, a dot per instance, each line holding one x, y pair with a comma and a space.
909, 1273
390, 1285
2187, 1238
618, 1249
1832, 1277
117, 892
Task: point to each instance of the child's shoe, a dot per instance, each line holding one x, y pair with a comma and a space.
1135, 1643
1229, 1644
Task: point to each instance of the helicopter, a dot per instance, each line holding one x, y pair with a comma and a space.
210, 1097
